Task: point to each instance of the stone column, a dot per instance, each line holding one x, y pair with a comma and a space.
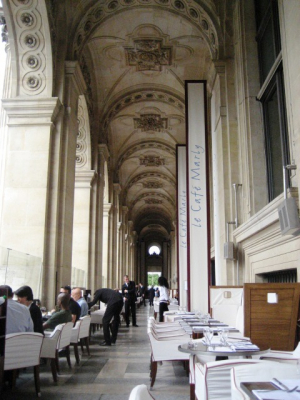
105, 245
81, 226
225, 163
165, 254
143, 273
173, 260
26, 188
115, 235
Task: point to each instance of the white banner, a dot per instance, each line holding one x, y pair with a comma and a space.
197, 197
182, 224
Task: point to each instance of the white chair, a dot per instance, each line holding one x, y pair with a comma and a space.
23, 350
263, 371
54, 341
84, 333
290, 357
75, 339
212, 380
140, 392
96, 319
165, 350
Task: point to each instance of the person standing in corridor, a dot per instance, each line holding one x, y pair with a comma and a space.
128, 292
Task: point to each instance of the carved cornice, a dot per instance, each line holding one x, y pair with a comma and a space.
103, 150
98, 13
72, 68
29, 111
4, 33
84, 179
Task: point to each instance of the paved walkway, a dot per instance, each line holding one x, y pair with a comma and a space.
109, 373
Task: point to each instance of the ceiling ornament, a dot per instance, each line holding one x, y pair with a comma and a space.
144, 146
152, 161
99, 13
151, 122
155, 195
148, 55
83, 144
4, 33
153, 201
152, 185
143, 95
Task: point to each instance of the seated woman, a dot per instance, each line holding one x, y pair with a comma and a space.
25, 297
63, 316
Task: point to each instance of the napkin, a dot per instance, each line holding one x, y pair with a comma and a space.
276, 395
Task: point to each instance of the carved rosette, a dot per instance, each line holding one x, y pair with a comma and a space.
153, 195
100, 12
30, 21
83, 150
152, 185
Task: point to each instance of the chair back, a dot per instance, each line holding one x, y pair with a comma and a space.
22, 350
75, 332
65, 336
85, 327
140, 392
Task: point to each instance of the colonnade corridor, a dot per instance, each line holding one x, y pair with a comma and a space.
109, 373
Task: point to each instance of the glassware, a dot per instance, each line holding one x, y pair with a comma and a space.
208, 335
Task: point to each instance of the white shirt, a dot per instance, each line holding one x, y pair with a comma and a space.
164, 293
18, 318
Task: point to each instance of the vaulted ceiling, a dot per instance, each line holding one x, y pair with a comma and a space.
139, 54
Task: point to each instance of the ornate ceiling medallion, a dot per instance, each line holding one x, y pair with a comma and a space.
152, 185
148, 55
150, 122
153, 201
152, 161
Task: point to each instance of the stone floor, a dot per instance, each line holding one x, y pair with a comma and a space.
109, 373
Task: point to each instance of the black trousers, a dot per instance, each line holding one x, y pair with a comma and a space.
162, 308
112, 311
130, 306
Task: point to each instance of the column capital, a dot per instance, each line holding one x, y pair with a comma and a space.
106, 208
84, 179
125, 209
117, 188
26, 112
103, 150
73, 70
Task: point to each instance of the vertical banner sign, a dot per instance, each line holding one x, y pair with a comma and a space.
181, 224
198, 253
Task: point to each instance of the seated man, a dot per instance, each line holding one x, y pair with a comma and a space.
73, 306
114, 302
25, 297
76, 295
18, 317
61, 317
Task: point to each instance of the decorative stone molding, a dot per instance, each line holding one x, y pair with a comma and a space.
153, 201
148, 55
31, 112
152, 185
88, 81
152, 195
84, 179
151, 122
143, 95
83, 145
72, 69
145, 175
152, 161
28, 27
144, 146
98, 13
4, 33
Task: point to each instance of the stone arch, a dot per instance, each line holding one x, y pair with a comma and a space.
31, 48
83, 145
197, 13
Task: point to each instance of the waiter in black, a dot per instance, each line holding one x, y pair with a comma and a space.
114, 305
128, 291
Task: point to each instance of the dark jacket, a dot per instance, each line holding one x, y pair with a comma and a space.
131, 295
107, 296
